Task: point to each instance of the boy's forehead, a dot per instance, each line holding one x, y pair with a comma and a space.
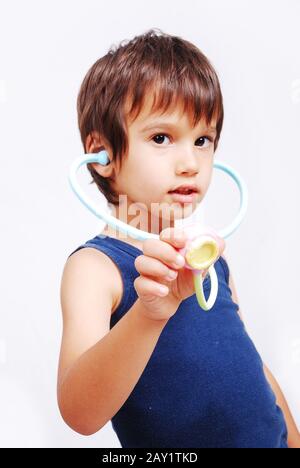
174, 116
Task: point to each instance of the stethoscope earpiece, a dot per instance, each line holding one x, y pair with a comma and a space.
102, 158
205, 245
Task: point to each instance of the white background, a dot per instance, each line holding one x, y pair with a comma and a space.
46, 49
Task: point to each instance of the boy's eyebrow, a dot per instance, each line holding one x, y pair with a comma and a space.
170, 125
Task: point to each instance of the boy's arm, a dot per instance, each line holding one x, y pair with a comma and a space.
98, 366
293, 433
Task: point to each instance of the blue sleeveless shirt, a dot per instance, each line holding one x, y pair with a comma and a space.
204, 384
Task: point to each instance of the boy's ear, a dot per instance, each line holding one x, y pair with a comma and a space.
94, 144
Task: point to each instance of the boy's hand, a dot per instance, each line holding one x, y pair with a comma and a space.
159, 259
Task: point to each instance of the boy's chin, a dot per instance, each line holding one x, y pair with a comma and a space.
178, 212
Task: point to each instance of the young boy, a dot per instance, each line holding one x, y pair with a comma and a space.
136, 348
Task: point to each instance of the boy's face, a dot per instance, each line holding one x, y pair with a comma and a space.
162, 158
159, 160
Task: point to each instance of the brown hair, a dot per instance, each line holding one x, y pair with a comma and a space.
173, 67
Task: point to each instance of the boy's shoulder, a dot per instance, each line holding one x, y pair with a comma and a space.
92, 261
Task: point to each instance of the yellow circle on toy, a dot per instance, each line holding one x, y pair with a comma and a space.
202, 253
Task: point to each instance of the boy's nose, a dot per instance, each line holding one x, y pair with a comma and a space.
187, 161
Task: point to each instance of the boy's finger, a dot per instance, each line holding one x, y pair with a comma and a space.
174, 236
164, 252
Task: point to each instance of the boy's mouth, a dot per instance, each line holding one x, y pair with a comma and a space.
185, 189
184, 194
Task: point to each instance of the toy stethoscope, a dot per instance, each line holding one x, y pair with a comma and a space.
204, 245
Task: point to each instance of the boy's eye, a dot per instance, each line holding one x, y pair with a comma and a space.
159, 137
202, 140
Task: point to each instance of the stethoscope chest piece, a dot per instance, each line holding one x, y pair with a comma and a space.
203, 248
